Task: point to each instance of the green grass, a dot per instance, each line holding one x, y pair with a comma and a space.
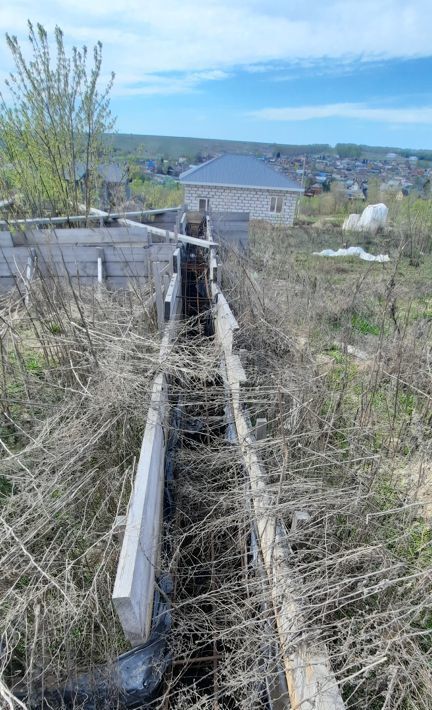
6, 488
157, 196
337, 355
34, 364
363, 325
55, 328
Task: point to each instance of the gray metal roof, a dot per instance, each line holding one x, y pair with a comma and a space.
76, 173
238, 171
109, 172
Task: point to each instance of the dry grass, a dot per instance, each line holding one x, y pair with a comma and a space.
344, 433
348, 441
76, 373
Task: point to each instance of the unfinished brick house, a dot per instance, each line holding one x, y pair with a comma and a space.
241, 184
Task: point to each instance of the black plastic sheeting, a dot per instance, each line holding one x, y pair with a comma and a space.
132, 680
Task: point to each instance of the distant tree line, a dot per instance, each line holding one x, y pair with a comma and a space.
348, 150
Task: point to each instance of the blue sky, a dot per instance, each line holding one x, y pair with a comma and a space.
267, 70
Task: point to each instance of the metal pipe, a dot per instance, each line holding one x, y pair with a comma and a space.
83, 218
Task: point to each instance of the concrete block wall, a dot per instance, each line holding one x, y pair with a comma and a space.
254, 201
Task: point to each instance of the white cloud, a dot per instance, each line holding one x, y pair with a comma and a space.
145, 39
154, 84
359, 111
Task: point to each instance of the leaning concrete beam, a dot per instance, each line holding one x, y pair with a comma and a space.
135, 581
206, 244
134, 584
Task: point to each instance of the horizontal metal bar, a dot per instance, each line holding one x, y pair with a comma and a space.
94, 216
199, 659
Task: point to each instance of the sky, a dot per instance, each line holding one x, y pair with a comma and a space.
280, 71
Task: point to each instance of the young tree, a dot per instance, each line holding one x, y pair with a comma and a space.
52, 123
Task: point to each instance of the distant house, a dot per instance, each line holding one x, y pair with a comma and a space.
241, 184
313, 190
115, 185
113, 181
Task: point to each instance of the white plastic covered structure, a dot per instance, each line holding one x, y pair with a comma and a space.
371, 219
351, 222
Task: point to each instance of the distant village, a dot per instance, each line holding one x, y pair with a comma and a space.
394, 174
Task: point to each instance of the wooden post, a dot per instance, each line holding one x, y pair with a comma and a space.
31, 259
177, 261
156, 269
300, 519
183, 221
260, 428
100, 261
171, 305
218, 273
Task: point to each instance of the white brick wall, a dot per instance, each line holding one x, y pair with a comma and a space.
243, 199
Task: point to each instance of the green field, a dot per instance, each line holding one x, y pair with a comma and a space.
174, 147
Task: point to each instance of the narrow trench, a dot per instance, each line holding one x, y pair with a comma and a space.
213, 561
212, 643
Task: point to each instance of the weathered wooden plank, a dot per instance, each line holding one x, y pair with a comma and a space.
58, 255
5, 239
11, 252
158, 287
213, 266
127, 268
170, 306
310, 680
235, 367
126, 282
6, 283
124, 262
177, 260
7, 269
126, 252
11, 263
162, 252
82, 236
260, 429
134, 585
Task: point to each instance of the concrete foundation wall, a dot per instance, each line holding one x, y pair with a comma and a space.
73, 253
254, 201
